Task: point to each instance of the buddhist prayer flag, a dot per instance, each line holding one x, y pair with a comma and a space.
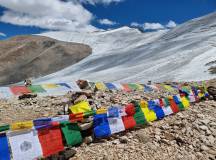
21, 125
177, 100
100, 86
139, 115
133, 86
149, 114
157, 109
147, 89
165, 107
61, 118
168, 88
19, 90
36, 89
5, 93
4, 127
173, 105
126, 87
185, 102
76, 117
4, 148
80, 107
118, 86
101, 110
110, 86
71, 133
113, 112
42, 123
115, 121
64, 85
101, 126
55, 89
73, 86
128, 119
25, 145
51, 140
140, 87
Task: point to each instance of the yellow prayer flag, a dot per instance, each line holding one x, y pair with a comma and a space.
101, 111
49, 86
100, 86
140, 87
168, 88
21, 125
185, 102
150, 115
81, 107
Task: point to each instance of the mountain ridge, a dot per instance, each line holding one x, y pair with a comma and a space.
24, 57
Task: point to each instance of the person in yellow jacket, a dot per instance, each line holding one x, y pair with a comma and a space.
149, 114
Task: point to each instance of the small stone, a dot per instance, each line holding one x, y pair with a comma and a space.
157, 137
88, 140
143, 138
204, 128
205, 121
124, 139
204, 148
116, 142
213, 152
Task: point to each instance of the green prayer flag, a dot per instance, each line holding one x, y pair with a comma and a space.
71, 132
139, 115
181, 106
4, 127
36, 89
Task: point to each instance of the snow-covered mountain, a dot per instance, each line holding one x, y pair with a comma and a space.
128, 55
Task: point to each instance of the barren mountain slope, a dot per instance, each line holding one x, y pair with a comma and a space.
33, 56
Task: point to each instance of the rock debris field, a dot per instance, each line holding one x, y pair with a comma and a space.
188, 135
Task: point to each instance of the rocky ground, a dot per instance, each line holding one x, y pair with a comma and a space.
190, 134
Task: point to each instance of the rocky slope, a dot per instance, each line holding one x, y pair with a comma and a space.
24, 57
189, 135
128, 55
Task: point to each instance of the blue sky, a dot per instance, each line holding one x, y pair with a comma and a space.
17, 18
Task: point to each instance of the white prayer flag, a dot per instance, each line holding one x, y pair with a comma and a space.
116, 125
5, 93
25, 145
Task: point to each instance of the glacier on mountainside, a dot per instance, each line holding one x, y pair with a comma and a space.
128, 55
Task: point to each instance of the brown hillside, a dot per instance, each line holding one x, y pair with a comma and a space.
24, 57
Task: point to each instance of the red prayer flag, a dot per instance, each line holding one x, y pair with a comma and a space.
19, 90
51, 140
174, 106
